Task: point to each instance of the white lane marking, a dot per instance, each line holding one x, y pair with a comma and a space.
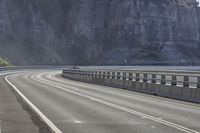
153, 126
164, 122
25, 76
0, 125
75, 88
78, 122
42, 116
127, 93
5, 73
92, 99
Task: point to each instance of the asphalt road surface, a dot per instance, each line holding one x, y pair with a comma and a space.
76, 107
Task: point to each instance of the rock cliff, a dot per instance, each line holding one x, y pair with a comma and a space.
36, 32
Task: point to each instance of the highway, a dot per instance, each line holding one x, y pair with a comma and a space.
76, 107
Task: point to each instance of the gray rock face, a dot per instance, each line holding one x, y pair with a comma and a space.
36, 32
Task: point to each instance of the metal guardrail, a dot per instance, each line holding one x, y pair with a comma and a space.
31, 67
186, 79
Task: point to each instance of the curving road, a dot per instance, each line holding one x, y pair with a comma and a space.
76, 107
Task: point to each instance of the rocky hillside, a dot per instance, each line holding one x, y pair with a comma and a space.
35, 32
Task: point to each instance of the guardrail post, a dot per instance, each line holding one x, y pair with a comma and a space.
153, 80
130, 76
118, 75
70, 72
174, 80
145, 77
83, 73
73, 72
198, 84
100, 76
76, 72
79, 72
108, 75
104, 74
163, 79
186, 81
124, 75
113, 75
95, 74
137, 78
92, 74
88, 72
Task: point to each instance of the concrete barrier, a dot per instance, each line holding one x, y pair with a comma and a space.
169, 85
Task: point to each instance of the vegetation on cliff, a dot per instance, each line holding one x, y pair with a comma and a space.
4, 62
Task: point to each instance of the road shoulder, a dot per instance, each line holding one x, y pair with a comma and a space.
15, 116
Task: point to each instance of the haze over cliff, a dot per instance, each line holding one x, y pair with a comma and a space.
35, 32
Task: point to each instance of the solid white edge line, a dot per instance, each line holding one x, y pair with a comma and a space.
164, 122
0, 125
5, 73
2, 74
41, 115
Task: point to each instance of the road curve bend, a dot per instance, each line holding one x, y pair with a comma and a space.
76, 107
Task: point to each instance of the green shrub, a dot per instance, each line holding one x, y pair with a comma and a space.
4, 62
